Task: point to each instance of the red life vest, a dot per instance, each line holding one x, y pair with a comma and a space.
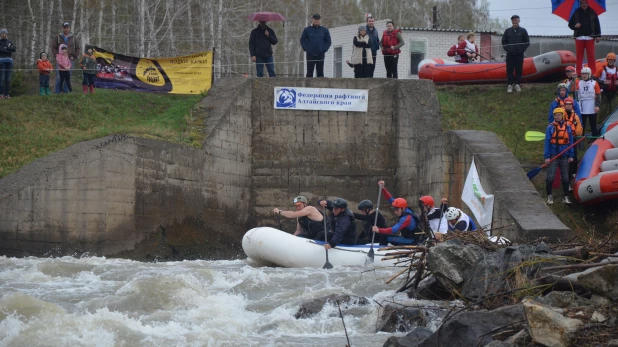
390, 39
560, 135
611, 77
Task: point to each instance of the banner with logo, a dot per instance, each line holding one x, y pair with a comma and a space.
322, 99
190, 74
480, 203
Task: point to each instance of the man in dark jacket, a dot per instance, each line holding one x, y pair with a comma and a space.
260, 47
67, 38
515, 41
315, 41
342, 224
586, 29
375, 44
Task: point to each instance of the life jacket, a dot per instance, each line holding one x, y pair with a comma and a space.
390, 39
409, 232
572, 87
311, 227
576, 128
611, 77
436, 223
349, 235
470, 226
560, 135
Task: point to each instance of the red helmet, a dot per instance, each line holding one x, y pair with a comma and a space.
428, 201
571, 68
568, 100
400, 203
610, 56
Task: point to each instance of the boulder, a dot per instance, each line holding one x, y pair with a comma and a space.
396, 318
563, 300
602, 280
314, 306
547, 326
499, 344
452, 260
430, 289
476, 328
521, 339
412, 339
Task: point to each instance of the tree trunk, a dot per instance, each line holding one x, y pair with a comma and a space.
33, 38
61, 11
202, 5
42, 19
218, 42
169, 4
141, 10
113, 45
49, 27
190, 22
100, 24
73, 26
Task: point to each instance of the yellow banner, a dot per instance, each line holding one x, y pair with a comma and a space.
190, 74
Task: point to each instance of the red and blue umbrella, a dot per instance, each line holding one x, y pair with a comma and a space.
565, 8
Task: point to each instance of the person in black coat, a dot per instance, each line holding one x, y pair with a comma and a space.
315, 41
7, 48
515, 41
586, 29
260, 48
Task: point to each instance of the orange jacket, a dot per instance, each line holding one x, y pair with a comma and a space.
45, 66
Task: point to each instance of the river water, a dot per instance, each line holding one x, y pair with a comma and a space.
116, 302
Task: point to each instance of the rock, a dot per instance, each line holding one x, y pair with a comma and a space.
499, 344
599, 301
314, 306
602, 280
613, 343
396, 318
542, 248
412, 339
451, 260
430, 289
521, 339
562, 300
598, 317
476, 328
547, 326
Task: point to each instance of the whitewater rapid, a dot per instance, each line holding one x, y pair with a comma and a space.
96, 301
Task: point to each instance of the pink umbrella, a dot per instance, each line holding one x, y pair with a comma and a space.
266, 17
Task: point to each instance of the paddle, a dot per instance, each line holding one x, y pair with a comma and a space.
279, 220
539, 136
370, 255
327, 265
536, 171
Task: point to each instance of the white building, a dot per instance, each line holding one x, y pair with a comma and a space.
419, 44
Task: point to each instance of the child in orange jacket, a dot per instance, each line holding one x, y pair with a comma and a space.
45, 68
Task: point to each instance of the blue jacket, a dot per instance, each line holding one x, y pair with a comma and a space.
555, 103
551, 150
315, 41
375, 40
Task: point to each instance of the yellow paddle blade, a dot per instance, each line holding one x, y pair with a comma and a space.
535, 136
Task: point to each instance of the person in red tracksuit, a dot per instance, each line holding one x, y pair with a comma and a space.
407, 224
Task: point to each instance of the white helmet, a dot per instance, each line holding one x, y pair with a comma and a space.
452, 213
563, 85
586, 70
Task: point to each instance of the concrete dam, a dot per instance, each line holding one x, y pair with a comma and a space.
138, 198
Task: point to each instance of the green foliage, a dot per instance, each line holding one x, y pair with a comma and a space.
34, 126
20, 82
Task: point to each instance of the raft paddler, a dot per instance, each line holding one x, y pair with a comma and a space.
309, 220
368, 217
342, 224
404, 232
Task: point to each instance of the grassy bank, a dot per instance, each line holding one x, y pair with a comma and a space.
34, 126
489, 107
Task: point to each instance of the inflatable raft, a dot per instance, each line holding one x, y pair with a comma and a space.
272, 246
597, 176
542, 66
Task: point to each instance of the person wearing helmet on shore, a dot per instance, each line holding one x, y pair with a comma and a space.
608, 76
309, 220
435, 216
368, 217
562, 93
590, 100
342, 224
558, 137
572, 81
458, 220
407, 224
576, 130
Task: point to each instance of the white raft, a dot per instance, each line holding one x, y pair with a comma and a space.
272, 246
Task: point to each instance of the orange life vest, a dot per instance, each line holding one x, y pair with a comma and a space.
576, 128
560, 135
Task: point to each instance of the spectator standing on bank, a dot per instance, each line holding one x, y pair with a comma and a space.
260, 47
64, 68
515, 41
586, 29
7, 48
45, 68
392, 40
315, 41
361, 53
375, 43
89, 69
66, 37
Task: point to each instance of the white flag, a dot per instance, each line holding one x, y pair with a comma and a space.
480, 203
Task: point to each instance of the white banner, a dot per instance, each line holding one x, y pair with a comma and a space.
480, 203
323, 99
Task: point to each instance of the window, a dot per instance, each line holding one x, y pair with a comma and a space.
417, 54
337, 67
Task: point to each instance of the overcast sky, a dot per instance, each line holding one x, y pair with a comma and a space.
537, 18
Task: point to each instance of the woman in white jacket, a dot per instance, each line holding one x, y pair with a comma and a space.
361, 53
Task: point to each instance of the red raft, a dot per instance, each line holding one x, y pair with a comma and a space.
545, 66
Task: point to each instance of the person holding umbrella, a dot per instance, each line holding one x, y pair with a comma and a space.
260, 48
586, 29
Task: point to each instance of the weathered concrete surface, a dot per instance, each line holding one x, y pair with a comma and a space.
148, 199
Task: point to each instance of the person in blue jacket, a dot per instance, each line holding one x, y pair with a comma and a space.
407, 224
375, 43
562, 93
558, 137
315, 41
342, 224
